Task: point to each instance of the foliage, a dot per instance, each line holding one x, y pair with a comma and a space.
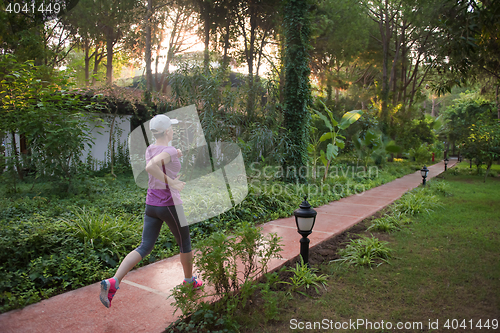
467, 110
297, 91
340, 32
389, 222
365, 251
305, 277
337, 142
483, 144
217, 260
219, 254
468, 51
102, 231
49, 116
416, 202
204, 320
421, 154
420, 200
374, 146
417, 132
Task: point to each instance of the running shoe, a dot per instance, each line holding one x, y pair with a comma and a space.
108, 290
196, 284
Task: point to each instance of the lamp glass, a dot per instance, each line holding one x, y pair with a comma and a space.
423, 173
305, 223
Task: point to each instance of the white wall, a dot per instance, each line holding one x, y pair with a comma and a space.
100, 135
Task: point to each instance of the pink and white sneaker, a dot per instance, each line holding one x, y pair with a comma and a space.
196, 283
108, 290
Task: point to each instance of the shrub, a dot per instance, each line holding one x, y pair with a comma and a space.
365, 251
217, 258
305, 277
416, 202
389, 222
103, 232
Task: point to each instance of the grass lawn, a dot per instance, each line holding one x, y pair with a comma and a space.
444, 277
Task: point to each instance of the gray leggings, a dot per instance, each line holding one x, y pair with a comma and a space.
153, 220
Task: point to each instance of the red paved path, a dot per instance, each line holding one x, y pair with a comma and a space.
141, 304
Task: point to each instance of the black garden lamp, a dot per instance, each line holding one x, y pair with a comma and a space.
305, 217
446, 163
424, 172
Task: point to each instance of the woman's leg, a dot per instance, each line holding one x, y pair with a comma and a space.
132, 259
173, 215
187, 264
150, 232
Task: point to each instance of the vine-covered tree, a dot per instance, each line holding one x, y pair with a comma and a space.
297, 28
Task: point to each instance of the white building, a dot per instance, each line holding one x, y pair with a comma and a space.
99, 149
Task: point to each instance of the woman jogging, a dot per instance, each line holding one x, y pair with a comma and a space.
163, 204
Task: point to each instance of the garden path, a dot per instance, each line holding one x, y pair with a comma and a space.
141, 304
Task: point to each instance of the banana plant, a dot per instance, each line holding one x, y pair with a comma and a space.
337, 140
373, 145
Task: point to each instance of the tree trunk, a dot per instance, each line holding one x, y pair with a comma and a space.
149, 74
329, 88
109, 57
498, 101
87, 62
385, 33
488, 167
97, 60
402, 92
111, 147
297, 87
225, 57
206, 58
261, 51
16, 156
250, 59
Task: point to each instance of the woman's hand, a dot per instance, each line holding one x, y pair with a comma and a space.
176, 184
179, 153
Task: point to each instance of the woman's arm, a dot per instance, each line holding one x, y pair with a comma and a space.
154, 169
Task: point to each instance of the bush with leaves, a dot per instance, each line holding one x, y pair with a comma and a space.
305, 277
218, 255
389, 222
332, 136
415, 202
43, 108
217, 260
483, 144
365, 251
467, 110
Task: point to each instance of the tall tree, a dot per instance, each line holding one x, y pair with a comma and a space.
470, 44
83, 23
256, 20
339, 35
33, 34
116, 19
297, 26
180, 22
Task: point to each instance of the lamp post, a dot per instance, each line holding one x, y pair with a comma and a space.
424, 172
305, 217
446, 164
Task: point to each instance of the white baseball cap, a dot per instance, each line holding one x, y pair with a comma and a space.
161, 123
